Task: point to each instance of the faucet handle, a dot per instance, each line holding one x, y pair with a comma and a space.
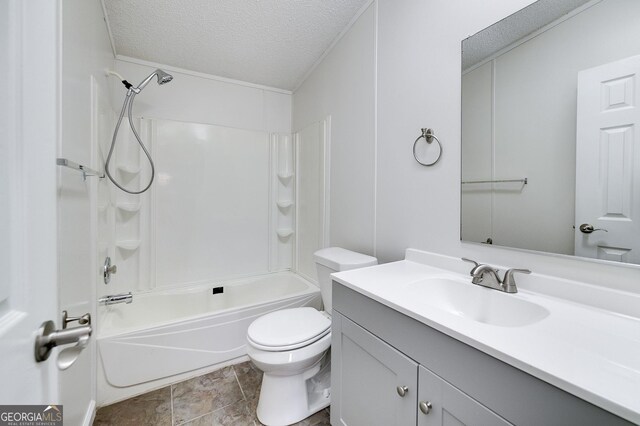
476, 264
509, 283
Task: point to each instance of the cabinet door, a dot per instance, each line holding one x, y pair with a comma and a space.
366, 374
449, 406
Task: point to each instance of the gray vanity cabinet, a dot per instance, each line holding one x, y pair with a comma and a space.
370, 373
378, 385
376, 350
439, 403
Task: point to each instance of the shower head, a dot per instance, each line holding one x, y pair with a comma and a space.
162, 76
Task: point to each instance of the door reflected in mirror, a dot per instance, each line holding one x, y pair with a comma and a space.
550, 130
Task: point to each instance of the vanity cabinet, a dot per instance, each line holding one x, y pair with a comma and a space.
440, 403
371, 372
381, 386
379, 353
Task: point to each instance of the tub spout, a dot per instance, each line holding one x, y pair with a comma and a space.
116, 298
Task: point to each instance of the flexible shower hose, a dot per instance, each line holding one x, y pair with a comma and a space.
128, 102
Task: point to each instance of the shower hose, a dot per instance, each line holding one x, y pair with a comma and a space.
128, 106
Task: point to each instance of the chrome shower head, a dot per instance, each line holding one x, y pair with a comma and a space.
162, 76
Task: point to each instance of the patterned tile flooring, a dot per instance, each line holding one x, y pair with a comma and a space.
225, 397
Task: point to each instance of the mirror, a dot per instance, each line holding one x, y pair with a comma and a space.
550, 137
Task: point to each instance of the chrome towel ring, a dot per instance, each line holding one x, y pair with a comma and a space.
428, 136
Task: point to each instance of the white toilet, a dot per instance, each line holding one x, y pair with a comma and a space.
290, 347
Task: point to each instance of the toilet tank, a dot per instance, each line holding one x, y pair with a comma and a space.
336, 259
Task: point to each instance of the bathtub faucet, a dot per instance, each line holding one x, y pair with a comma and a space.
116, 298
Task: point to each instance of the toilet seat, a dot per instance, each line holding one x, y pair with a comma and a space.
288, 329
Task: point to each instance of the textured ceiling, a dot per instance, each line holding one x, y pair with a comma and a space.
269, 42
511, 29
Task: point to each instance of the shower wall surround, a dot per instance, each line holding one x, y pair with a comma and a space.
220, 207
222, 203
122, 217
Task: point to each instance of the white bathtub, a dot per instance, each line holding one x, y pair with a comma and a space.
169, 333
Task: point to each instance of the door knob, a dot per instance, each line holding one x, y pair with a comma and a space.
586, 228
425, 407
402, 390
48, 338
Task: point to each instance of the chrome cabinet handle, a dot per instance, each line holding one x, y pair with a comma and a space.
402, 390
425, 407
587, 228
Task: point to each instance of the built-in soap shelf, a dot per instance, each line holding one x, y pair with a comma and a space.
128, 171
129, 213
285, 178
284, 205
284, 233
129, 207
128, 245
282, 202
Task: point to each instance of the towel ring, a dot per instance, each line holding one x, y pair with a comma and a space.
428, 136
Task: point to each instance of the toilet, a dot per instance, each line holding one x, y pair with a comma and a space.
291, 347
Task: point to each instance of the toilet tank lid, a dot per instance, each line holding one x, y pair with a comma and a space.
339, 259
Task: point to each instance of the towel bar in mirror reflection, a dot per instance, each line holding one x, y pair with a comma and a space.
551, 92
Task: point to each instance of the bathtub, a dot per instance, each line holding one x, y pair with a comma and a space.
169, 333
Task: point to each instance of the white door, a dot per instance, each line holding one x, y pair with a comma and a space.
28, 137
608, 162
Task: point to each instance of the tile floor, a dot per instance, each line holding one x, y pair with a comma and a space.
225, 397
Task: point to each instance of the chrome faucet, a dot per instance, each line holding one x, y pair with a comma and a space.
116, 298
487, 276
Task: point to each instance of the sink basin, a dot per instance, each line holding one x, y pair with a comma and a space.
476, 303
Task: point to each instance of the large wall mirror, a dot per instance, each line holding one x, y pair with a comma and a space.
551, 130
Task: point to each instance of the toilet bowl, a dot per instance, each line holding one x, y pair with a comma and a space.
291, 347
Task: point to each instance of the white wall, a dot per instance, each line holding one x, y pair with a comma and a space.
86, 52
419, 85
343, 86
535, 123
199, 98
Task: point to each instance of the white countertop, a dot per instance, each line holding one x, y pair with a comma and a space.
585, 350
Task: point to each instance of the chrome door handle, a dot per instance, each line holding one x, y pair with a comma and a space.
587, 228
402, 390
48, 338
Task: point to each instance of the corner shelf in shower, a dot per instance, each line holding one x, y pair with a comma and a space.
284, 233
284, 204
285, 178
128, 245
129, 171
129, 207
